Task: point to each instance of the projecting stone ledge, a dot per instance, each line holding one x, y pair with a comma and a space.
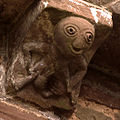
11, 110
85, 110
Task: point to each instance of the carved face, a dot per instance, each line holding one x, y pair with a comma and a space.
74, 35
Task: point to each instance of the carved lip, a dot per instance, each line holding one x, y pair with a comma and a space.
76, 50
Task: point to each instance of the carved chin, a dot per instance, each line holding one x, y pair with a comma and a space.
76, 50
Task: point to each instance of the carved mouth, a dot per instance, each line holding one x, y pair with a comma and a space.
76, 50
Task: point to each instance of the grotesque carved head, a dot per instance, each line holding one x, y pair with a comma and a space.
78, 28
74, 35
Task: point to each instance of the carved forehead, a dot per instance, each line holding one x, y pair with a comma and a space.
81, 23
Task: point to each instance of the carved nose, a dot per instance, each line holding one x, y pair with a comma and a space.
77, 45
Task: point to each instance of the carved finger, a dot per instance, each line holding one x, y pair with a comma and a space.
23, 81
40, 66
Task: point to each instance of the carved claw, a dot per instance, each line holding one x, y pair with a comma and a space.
20, 84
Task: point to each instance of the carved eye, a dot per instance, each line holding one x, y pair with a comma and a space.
71, 30
89, 37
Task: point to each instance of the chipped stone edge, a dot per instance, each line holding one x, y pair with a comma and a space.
30, 110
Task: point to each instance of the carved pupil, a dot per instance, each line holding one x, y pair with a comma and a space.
89, 37
71, 30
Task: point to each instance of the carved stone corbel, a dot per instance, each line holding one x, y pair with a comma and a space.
50, 48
